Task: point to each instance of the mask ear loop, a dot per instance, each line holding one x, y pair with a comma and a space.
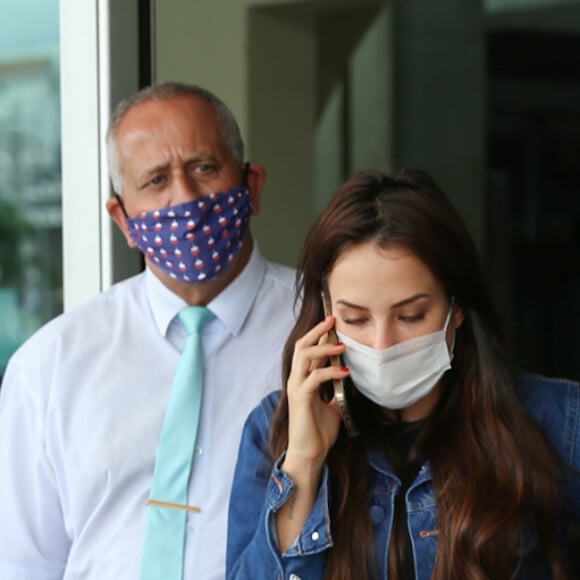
451, 305
246, 173
121, 205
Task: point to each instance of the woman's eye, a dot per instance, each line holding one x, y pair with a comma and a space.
411, 317
355, 321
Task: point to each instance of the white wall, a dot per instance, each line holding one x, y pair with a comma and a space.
276, 64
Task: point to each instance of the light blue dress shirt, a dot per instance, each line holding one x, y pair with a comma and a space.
81, 409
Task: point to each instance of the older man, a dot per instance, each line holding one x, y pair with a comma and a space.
83, 402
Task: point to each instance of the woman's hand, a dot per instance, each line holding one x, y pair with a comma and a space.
313, 423
313, 426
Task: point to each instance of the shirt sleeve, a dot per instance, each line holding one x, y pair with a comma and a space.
33, 541
259, 489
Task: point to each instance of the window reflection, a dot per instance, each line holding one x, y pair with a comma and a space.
30, 182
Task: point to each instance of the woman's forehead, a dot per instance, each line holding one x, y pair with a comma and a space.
367, 271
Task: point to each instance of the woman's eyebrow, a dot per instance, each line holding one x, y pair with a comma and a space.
413, 298
351, 305
403, 302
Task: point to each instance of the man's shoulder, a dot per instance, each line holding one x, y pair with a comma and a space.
281, 274
109, 300
275, 300
92, 313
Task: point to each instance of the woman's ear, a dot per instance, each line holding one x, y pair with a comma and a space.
457, 316
255, 181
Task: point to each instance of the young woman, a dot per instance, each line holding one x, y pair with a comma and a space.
455, 472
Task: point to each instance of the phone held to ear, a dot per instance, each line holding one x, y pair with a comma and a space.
338, 384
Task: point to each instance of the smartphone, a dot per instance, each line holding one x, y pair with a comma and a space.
338, 384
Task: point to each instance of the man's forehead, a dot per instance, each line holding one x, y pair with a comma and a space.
189, 105
158, 128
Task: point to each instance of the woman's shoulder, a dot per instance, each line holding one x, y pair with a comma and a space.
261, 416
546, 395
555, 405
269, 403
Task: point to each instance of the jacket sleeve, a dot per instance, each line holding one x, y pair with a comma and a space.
259, 489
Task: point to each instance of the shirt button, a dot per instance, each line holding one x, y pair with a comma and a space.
198, 450
315, 536
294, 577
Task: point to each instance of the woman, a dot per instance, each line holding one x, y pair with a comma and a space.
449, 476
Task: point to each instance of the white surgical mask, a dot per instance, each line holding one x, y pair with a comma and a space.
400, 375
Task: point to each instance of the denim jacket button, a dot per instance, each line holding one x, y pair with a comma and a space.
315, 536
377, 514
294, 577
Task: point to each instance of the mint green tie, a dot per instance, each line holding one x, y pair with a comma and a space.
165, 531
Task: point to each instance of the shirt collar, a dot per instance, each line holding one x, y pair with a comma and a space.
231, 306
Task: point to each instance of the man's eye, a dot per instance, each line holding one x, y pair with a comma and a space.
204, 168
157, 180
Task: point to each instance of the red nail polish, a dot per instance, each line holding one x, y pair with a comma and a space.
338, 343
344, 369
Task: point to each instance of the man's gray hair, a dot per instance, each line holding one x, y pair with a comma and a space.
228, 126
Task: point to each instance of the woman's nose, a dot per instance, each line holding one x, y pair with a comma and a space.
383, 337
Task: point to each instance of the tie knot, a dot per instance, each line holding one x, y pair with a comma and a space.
193, 318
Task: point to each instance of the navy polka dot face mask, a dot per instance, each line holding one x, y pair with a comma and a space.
197, 240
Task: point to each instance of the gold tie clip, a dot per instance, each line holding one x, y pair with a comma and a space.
175, 506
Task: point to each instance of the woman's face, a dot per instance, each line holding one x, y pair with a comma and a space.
384, 296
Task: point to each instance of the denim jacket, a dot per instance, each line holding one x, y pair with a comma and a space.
260, 489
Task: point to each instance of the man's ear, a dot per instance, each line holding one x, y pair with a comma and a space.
256, 180
118, 216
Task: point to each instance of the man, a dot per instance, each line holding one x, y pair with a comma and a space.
83, 401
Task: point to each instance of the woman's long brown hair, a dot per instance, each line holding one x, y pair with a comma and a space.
493, 471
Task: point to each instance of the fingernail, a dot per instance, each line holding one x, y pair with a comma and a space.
338, 343
344, 369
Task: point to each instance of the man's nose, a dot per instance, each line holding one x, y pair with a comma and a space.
184, 189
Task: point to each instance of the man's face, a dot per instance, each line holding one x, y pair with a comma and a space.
172, 152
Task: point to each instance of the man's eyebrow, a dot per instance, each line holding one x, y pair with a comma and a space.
404, 302
144, 175
202, 158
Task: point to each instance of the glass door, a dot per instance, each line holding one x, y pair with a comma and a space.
30, 171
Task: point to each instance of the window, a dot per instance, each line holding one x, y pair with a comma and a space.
30, 173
